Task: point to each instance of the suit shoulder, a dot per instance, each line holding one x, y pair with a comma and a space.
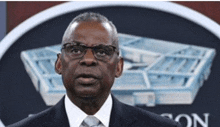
147, 117
37, 120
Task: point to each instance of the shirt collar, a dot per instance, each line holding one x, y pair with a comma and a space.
75, 115
105, 111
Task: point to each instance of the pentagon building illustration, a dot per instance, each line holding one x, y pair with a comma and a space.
155, 71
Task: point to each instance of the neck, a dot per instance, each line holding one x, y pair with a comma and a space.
90, 105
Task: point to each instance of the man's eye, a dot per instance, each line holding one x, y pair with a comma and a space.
76, 51
101, 52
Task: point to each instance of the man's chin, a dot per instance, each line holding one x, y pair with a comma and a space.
87, 93
88, 98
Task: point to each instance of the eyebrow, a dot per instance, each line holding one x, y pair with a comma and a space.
81, 43
74, 42
77, 42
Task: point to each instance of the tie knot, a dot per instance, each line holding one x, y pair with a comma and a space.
91, 121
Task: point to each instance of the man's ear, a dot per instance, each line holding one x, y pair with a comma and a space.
58, 64
119, 67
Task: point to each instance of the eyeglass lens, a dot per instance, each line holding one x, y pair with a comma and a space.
101, 52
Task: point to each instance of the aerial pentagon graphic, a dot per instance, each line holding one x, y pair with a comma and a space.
155, 71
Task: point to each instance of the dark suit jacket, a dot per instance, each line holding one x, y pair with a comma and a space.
121, 116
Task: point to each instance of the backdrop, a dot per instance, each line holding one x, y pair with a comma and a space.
19, 97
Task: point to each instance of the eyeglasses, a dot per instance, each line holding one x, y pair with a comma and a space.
100, 52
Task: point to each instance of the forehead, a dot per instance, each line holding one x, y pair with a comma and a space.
89, 33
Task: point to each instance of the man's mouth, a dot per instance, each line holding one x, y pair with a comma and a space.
87, 79
87, 76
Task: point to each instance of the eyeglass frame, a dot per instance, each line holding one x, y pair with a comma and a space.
91, 47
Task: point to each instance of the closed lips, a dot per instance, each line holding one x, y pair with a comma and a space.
88, 76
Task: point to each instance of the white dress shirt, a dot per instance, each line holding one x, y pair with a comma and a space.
76, 116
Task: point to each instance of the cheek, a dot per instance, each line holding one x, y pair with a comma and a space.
109, 74
112, 68
68, 64
68, 70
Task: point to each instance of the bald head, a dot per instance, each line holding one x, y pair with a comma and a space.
90, 18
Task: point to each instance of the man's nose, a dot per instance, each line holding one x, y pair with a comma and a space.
88, 59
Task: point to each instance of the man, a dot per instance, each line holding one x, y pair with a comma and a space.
89, 62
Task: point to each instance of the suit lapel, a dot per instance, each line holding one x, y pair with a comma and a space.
59, 115
119, 116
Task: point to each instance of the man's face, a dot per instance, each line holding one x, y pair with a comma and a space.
88, 76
